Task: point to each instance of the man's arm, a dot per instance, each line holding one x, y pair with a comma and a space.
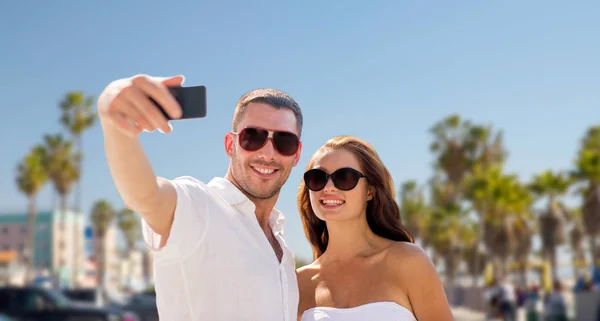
154, 198
125, 110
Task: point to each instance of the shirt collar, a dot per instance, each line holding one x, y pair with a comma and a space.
232, 195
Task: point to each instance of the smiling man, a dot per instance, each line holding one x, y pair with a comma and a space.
218, 246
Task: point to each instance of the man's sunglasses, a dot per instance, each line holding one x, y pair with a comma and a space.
253, 139
343, 179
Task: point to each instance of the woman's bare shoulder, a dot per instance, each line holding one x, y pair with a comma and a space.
408, 259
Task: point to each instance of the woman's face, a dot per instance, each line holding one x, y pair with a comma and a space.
344, 201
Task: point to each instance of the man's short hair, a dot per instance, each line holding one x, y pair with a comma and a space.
273, 97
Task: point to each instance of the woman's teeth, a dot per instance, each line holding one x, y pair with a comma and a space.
332, 202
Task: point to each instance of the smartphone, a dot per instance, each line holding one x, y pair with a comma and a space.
191, 99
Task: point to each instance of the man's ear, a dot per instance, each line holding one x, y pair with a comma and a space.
297, 156
228, 143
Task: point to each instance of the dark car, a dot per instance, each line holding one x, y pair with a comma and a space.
143, 305
139, 307
40, 304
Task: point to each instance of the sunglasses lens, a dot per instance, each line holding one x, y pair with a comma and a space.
315, 179
345, 179
286, 143
252, 139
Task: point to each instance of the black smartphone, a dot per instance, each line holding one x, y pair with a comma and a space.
191, 99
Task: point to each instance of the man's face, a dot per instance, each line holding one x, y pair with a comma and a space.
262, 173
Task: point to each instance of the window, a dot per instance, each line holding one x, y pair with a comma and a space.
30, 300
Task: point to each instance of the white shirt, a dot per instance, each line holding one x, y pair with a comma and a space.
217, 263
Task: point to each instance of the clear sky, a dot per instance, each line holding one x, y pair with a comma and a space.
385, 72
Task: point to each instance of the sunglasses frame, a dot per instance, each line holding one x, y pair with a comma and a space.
270, 136
330, 176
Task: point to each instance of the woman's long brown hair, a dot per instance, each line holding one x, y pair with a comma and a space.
383, 213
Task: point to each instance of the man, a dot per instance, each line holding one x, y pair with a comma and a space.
218, 247
508, 299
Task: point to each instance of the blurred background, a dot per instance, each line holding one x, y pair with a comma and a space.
486, 113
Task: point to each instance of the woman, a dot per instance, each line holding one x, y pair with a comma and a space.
366, 266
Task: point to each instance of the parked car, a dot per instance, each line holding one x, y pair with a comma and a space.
4, 317
143, 305
88, 296
40, 304
135, 307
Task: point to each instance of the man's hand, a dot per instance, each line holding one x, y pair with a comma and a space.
126, 105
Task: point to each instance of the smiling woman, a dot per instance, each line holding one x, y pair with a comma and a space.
382, 213
350, 216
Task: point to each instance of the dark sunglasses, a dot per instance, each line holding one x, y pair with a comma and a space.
253, 139
343, 179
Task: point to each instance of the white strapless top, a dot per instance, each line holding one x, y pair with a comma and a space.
380, 311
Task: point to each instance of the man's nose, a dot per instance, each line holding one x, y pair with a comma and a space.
268, 151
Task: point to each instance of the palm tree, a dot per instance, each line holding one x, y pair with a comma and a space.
413, 209
523, 233
552, 220
576, 236
502, 203
60, 164
450, 148
484, 147
101, 217
129, 226
461, 148
77, 116
472, 255
444, 227
31, 177
587, 171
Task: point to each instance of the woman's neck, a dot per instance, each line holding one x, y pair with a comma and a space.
350, 239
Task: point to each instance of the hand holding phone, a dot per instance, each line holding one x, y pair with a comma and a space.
192, 101
128, 103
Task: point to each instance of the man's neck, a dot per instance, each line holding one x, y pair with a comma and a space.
263, 207
263, 210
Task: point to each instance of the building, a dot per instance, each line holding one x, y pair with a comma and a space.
53, 250
53, 254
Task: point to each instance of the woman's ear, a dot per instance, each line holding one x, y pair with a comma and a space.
370, 193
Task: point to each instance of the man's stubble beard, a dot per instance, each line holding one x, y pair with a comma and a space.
241, 173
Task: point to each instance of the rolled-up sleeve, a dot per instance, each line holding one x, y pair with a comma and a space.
190, 222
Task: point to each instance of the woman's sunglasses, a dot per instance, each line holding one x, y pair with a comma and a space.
253, 139
343, 179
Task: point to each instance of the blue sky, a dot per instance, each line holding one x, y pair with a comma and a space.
385, 72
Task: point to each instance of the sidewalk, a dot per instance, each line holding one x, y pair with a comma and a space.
463, 314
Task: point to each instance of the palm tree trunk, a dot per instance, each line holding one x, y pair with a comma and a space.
99, 242
578, 256
78, 144
62, 238
129, 269
450, 267
76, 234
30, 248
552, 257
76, 245
594, 250
523, 273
